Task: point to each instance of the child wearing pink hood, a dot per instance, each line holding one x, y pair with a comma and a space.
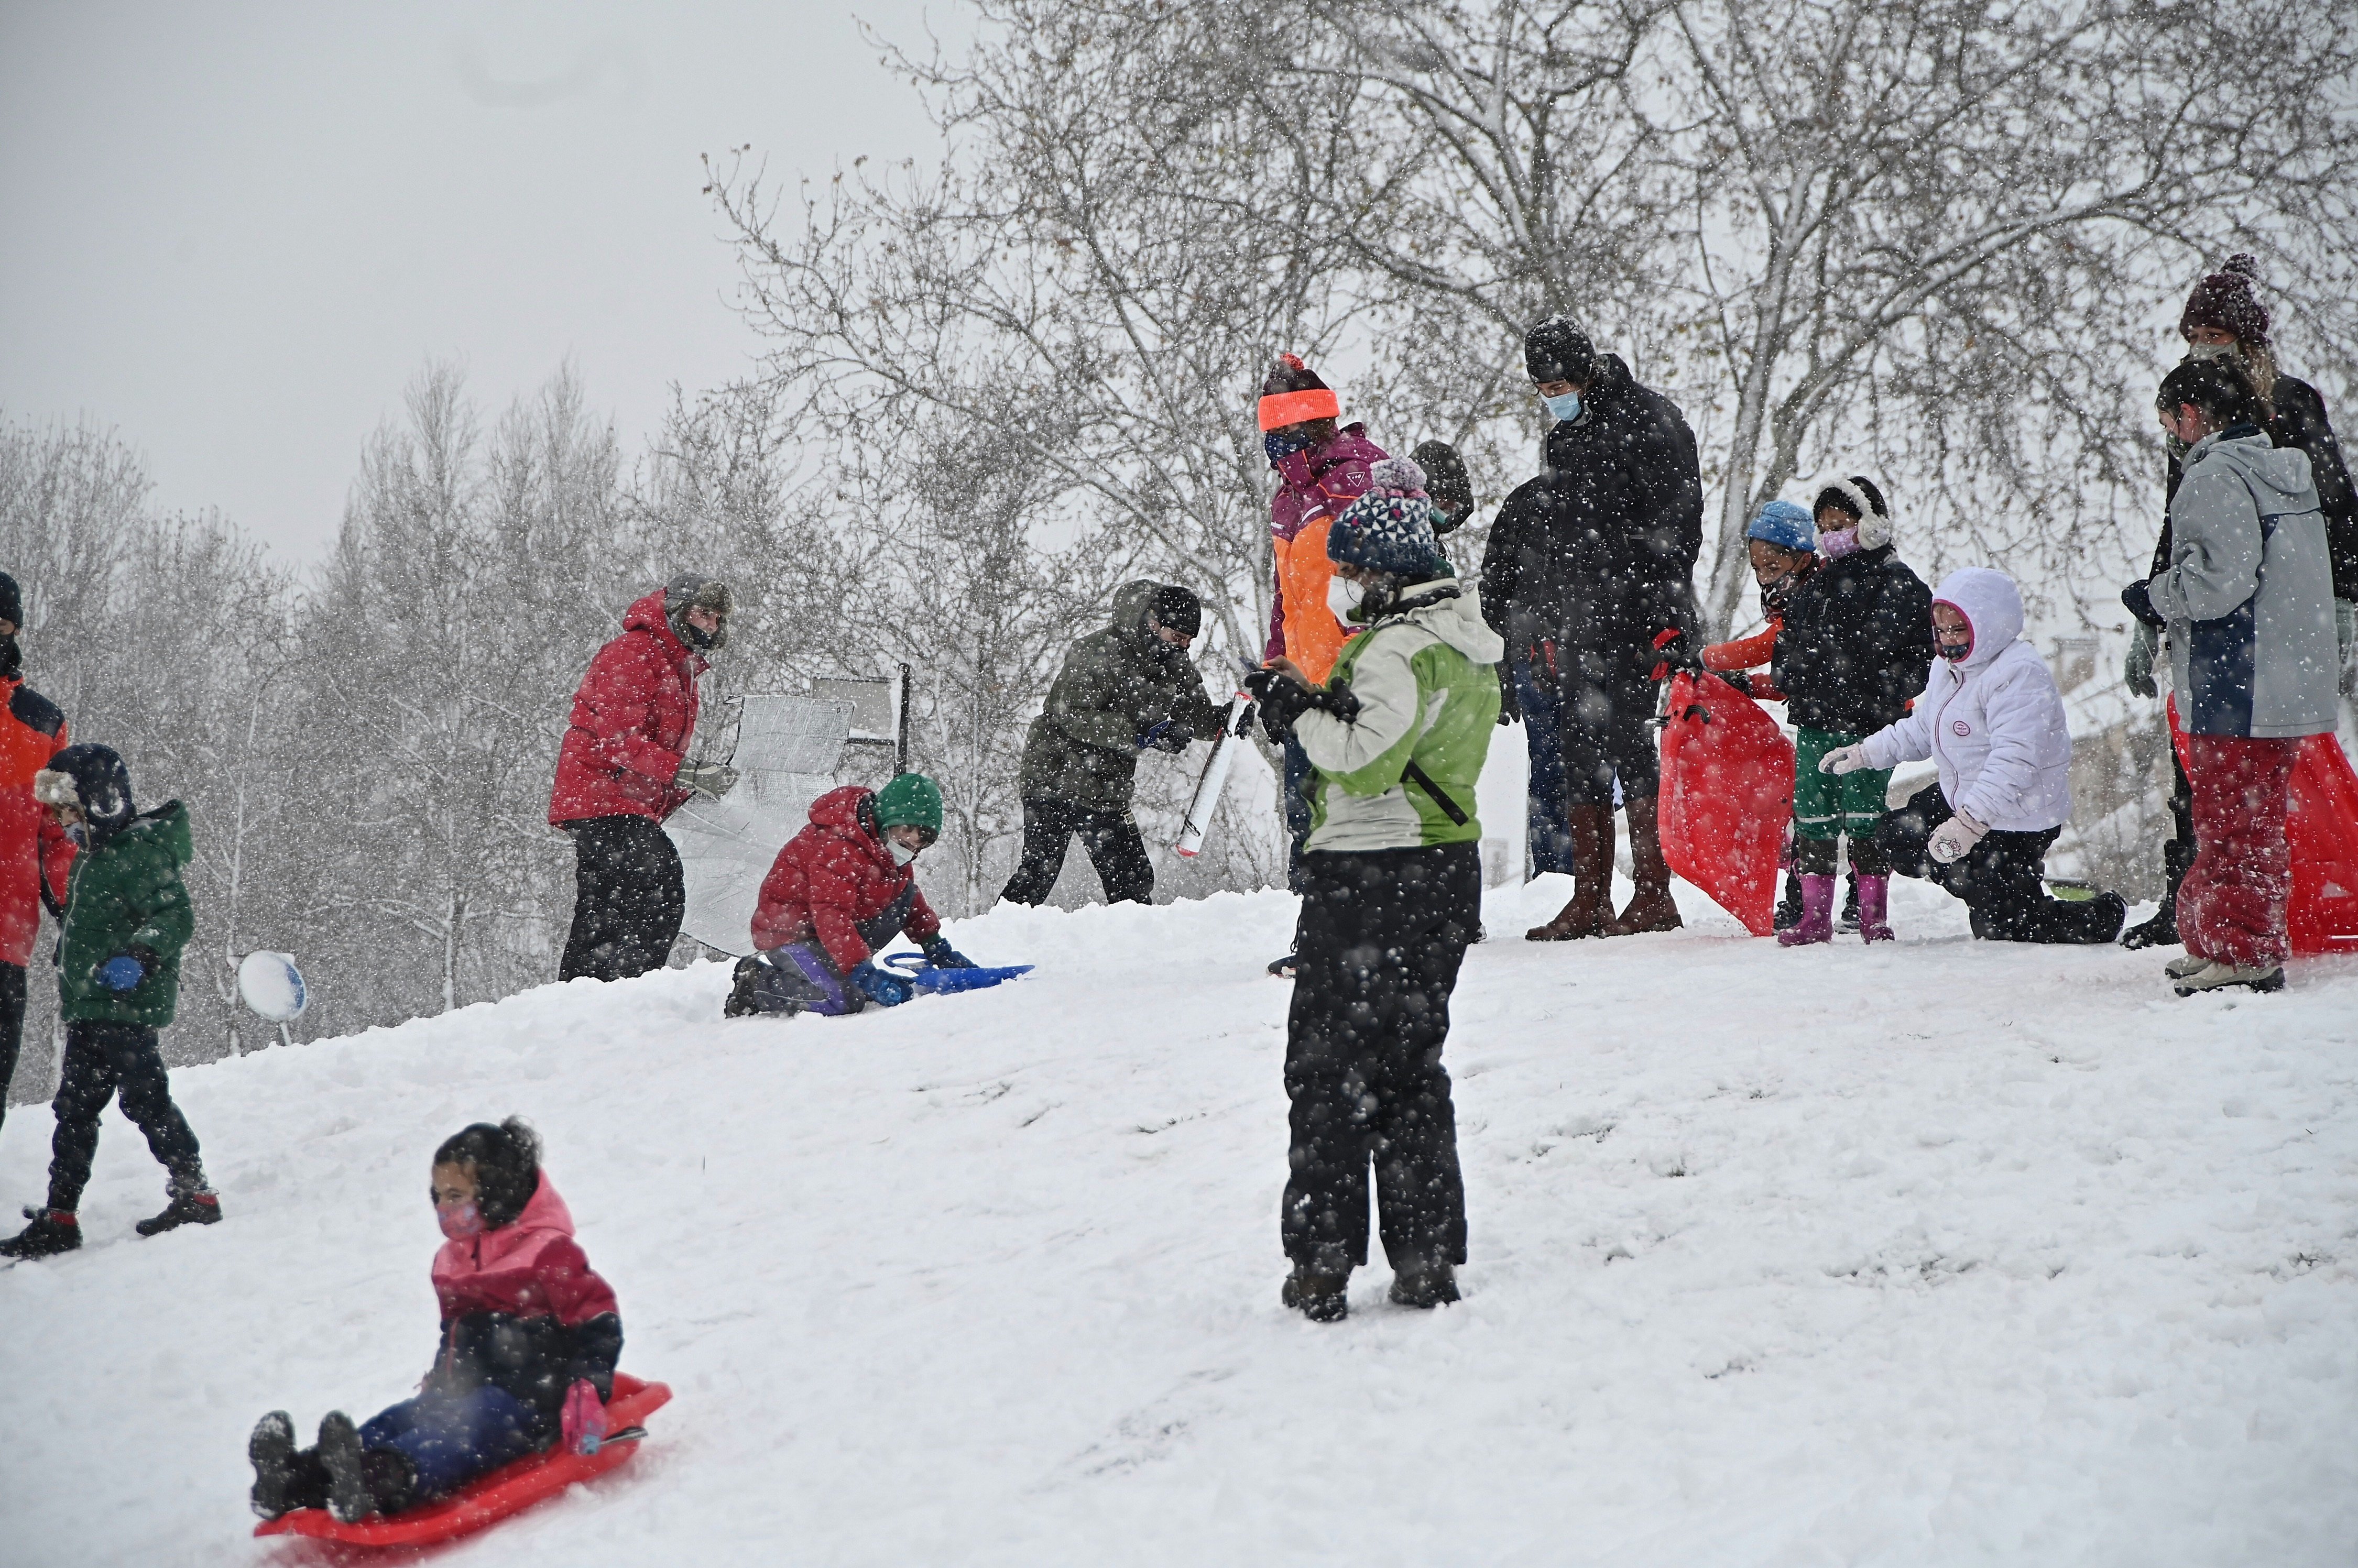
530, 1336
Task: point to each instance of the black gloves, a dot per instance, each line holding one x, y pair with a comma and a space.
1510, 706
1284, 699
2141, 603
1169, 737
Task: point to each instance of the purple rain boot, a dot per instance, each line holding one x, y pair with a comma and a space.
1875, 907
1817, 912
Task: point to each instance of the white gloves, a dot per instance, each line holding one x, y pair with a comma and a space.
1954, 838
1842, 760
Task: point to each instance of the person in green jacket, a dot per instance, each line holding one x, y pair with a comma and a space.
1397, 736
126, 920
1122, 689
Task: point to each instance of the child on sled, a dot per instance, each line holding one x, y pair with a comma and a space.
530, 1336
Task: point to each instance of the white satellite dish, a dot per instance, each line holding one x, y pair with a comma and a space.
272, 985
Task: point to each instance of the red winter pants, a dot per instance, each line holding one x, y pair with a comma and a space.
2232, 904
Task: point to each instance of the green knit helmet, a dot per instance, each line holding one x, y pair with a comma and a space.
911, 800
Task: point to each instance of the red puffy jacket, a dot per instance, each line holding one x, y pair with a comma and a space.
631, 719
833, 879
32, 844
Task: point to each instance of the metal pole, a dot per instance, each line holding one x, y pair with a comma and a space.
903, 724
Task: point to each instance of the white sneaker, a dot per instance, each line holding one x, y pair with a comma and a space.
2219, 975
2185, 964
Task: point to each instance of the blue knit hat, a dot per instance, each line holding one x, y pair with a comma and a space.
1785, 525
1390, 528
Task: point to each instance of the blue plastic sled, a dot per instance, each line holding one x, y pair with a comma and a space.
928, 981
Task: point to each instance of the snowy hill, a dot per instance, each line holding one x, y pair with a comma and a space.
1946, 1252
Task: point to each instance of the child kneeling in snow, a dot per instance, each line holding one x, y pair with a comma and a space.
530, 1336
1991, 718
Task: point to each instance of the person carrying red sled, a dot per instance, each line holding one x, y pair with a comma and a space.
530, 1338
2246, 604
126, 920
842, 888
1993, 720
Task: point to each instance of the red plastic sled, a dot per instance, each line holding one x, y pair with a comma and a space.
490, 1498
2322, 830
1727, 793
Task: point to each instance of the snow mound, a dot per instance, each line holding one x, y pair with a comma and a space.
1942, 1253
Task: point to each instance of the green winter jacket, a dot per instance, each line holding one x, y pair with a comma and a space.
1428, 687
123, 893
1083, 748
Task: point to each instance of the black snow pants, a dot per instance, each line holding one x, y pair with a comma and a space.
628, 899
102, 1059
1111, 838
12, 1028
1604, 710
1999, 878
1381, 937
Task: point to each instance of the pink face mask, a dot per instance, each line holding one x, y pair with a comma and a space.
459, 1221
1835, 547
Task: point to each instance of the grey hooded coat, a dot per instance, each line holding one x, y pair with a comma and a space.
2249, 592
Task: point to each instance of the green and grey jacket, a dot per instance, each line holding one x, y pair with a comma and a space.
1114, 689
126, 894
1428, 691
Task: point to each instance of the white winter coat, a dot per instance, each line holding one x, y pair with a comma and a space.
1993, 721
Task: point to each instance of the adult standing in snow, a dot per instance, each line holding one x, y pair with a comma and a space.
1589, 563
118, 957
1397, 735
2223, 320
2247, 605
35, 853
1321, 469
1993, 723
622, 768
842, 888
1122, 689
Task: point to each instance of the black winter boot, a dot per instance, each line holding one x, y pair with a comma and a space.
193, 1202
741, 1003
1424, 1286
2161, 931
1318, 1297
1848, 919
285, 1480
52, 1231
1789, 908
349, 1497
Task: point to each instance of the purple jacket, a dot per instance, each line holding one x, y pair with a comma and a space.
1321, 483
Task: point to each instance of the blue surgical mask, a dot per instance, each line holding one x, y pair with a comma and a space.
1565, 408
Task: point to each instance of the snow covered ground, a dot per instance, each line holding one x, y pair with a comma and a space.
1946, 1252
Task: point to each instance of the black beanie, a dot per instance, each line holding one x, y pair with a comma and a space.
1446, 481
12, 600
102, 785
1178, 609
1556, 350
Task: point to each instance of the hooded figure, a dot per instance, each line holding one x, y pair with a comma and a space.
1992, 723
1397, 735
1121, 690
622, 768
125, 921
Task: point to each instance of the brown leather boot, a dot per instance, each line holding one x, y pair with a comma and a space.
1591, 879
1653, 909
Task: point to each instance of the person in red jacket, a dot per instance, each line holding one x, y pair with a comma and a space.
530, 1336
35, 853
841, 888
622, 768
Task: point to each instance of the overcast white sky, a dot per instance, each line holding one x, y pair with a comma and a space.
233, 232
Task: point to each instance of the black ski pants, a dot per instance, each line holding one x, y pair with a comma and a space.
1381, 936
1999, 878
628, 898
12, 1028
1604, 712
1110, 837
100, 1059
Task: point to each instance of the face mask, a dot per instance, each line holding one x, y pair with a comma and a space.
1837, 545
1281, 447
1565, 408
2210, 350
1955, 653
460, 1221
1343, 596
1773, 595
901, 854
11, 660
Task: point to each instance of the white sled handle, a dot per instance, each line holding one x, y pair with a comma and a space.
1198, 820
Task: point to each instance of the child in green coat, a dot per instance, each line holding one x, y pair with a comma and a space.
126, 917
